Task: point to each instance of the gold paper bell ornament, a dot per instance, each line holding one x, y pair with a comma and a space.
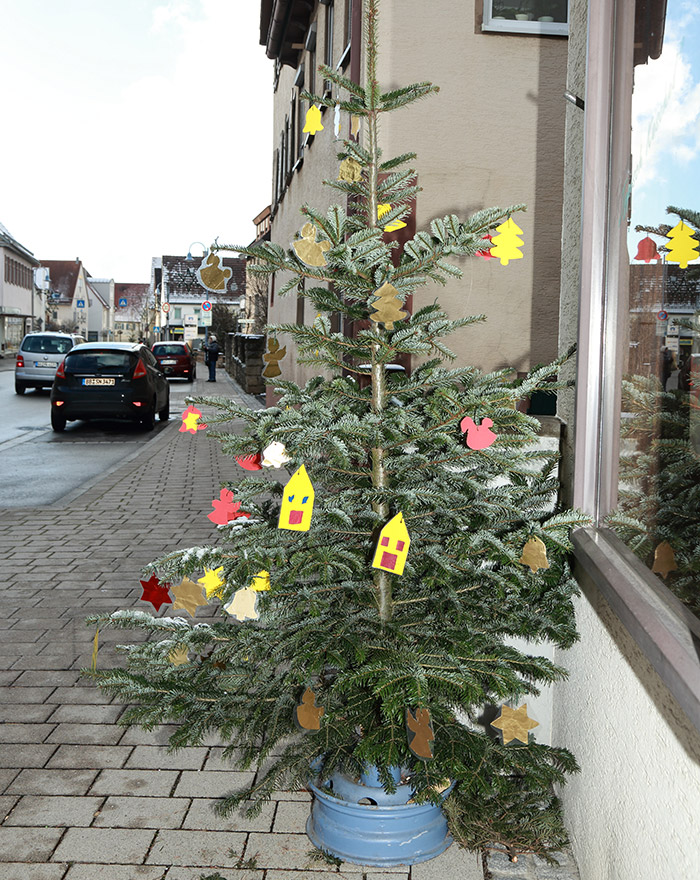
535, 554
243, 605
664, 560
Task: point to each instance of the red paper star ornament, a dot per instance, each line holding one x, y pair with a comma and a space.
156, 593
225, 509
190, 420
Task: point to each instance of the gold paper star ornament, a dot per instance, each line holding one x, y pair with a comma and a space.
188, 596
514, 724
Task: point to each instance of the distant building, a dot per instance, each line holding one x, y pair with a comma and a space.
74, 304
133, 312
19, 307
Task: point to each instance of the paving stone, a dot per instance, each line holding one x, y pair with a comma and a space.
501, 867
291, 817
191, 758
288, 851
86, 714
216, 762
201, 816
454, 862
25, 755
6, 777
144, 783
35, 712
192, 873
28, 844
46, 661
142, 812
25, 733
7, 802
7, 678
117, 872
134, 736
300, 795
26, 871
42, 810
77, 695
16, 694
197, 848
63, 782
313, 873
40, 678
89, 757
104, 846
211, 783
96, 734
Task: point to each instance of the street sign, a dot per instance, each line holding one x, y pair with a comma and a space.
190, 333
191, 320
166, 307
81, 303
206, 306
122, 302
156, 329
205, 319
662, 315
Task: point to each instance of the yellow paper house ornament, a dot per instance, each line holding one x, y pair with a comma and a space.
297, 502
392, 546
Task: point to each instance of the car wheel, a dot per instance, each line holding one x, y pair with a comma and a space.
191, 377
148, 421
164, 414
20, 387
58, 421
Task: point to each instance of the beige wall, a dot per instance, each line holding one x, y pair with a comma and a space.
494, 135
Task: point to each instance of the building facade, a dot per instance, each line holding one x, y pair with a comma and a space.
20, 307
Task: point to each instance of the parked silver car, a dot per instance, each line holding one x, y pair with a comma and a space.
39, 355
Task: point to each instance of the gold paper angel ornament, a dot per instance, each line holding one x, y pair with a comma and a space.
212, 275
308, 713
272, 358
308, 249
350, 170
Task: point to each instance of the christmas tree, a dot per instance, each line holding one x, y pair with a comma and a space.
337, 641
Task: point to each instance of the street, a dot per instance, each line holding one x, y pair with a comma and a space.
39, 467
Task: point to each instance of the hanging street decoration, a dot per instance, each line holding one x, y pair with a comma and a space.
355, 125
350, 170
683, 246
664, 560
514, 724
190, 420
212, 581
308, 714
261, 582
95, 649
395, 224
188, 596
420, 733
486, 253
225, 509
156, 593
242, 605
178, 656
534, 554
312, 123
275, 455
478, 436
647, 250
272, 358
250, 462
336, 120
297, 502
308, 249
392, 546
212, 275
389, 307
507, 243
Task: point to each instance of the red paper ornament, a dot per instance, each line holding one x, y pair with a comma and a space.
486, 254
190, 420
155, 592
646, 250
225, 509
478, 436
252, 462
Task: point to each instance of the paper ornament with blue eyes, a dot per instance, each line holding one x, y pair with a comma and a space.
297, 502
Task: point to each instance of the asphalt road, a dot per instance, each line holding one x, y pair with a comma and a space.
39, 467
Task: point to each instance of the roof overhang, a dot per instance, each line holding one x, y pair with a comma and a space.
649, 21
283, 28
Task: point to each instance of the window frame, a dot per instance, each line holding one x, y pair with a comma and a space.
490, 24
664, 630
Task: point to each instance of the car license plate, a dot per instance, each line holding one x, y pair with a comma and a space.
44, 364
98, 381
169, 362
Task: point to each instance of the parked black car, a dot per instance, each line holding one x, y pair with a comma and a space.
109, 380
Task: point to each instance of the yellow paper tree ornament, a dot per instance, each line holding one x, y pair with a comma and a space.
350, 170
388, 307
514, 724
535, 554
664, 560
683, 246
212, 275
309, 250
297, 502
395, 224
506, 244
312, 123
392, 546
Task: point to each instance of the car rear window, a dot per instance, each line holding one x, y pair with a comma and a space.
47, 344
99, 362
161, 350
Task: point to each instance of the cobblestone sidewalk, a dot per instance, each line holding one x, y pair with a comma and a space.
82, 798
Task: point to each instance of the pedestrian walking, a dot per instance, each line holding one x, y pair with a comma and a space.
211, 355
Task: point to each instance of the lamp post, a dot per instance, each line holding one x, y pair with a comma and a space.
190, 259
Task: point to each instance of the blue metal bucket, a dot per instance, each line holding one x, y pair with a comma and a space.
384, 830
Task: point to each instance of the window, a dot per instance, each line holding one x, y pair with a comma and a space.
328, 46
177, 314
345, 57
526, 16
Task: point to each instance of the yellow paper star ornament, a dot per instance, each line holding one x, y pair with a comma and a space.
514, 724
261, 581
212, 581
188, 596
395, 224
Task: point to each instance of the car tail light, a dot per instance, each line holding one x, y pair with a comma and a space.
137, 403
59, 402
140, 371
20, 361
61, 370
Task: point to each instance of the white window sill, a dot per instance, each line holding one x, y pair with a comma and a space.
537, 28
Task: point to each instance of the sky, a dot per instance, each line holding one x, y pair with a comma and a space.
132, 128
666, 125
